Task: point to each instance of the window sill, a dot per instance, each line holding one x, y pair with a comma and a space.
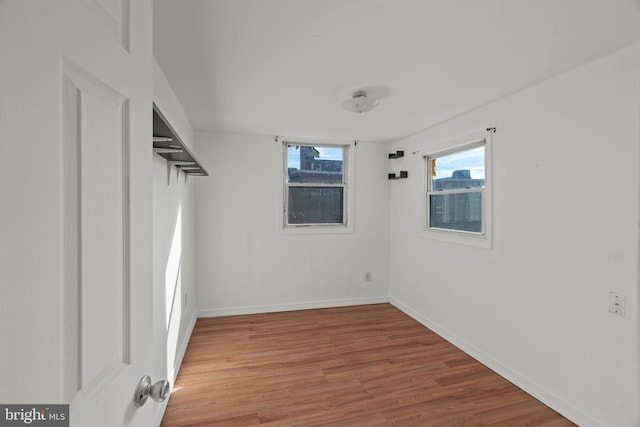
293, 230
459, 237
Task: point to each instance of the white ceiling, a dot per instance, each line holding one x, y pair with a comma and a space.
284, 67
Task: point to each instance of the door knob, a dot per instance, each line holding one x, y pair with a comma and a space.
158, 391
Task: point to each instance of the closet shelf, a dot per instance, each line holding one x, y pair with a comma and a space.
168, 145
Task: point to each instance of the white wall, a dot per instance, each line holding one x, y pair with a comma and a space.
244, 264
173, 242
535, 308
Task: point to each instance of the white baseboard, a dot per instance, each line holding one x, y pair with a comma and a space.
526, 384
176, 365
183, 346
271, 308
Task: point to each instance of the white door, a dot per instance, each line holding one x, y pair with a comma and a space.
75, 135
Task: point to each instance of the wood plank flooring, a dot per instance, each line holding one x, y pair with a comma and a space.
351, 366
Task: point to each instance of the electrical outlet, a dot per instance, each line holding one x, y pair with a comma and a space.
616, 303
368, 280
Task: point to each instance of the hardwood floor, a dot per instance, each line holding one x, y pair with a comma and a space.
350, 366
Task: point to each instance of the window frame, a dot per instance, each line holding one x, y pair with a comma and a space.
347, 190
481, 239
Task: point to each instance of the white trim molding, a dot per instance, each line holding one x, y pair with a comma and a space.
273, 308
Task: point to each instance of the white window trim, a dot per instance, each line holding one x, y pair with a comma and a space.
481, 240
349, 191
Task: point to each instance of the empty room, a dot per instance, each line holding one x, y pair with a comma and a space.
319, 213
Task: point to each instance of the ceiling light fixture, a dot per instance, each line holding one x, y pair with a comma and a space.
360, 102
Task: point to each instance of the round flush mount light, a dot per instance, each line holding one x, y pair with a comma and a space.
361, 101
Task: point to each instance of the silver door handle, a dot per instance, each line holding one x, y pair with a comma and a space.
158, 391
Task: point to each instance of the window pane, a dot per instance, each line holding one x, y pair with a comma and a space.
321, 165
315, 205
458, 211
464, 169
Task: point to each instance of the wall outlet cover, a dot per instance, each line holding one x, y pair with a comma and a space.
616, 303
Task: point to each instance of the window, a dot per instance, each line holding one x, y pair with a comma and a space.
315, 187
457, 193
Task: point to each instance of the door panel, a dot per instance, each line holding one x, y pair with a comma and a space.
94, 119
